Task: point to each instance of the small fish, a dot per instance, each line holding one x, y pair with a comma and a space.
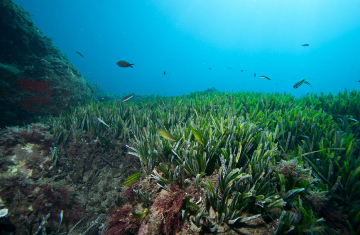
305, 45
139, 216
128, 97
255, 74
61, 218
165, 134
359, 81
228, 67
242, 70
264, 77
79, 54
164, 72
103, 122
197, 135
307, 83
299, 83
124, 64
210, 69
132, 179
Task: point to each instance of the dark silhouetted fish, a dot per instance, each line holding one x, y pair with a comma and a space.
299, 83
164, 72
124, 64
128, 97
255, 74
264, 77
242, 70
79, 54
305, 45
210, 69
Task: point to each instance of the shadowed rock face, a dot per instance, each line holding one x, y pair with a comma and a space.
35, 77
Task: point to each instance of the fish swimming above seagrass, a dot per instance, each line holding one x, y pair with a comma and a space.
124, 64
264, 77
299, 83
128, 97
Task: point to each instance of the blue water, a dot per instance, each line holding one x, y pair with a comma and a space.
187, 37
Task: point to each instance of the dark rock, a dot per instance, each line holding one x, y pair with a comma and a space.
211, 90
35, 77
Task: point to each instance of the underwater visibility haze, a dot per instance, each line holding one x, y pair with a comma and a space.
179, 117
186, 38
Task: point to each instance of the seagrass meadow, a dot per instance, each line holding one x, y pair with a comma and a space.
229, 163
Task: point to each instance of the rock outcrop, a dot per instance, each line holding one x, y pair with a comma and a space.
36, 78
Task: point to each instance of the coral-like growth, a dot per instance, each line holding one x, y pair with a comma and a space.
292, 168
37, 86
36, 100
13, 187
34, 133
121, 222
53, 200
335, 217
129, 193
30, 202
26, 150
317, 200
167, 207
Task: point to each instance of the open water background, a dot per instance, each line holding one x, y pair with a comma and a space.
185, 38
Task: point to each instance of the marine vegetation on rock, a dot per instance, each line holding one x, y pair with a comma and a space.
36, 77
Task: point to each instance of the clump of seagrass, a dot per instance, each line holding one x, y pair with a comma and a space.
316, 135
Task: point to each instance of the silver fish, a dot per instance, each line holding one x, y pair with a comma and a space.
128, 97
264, 77
307, 83
103, 122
